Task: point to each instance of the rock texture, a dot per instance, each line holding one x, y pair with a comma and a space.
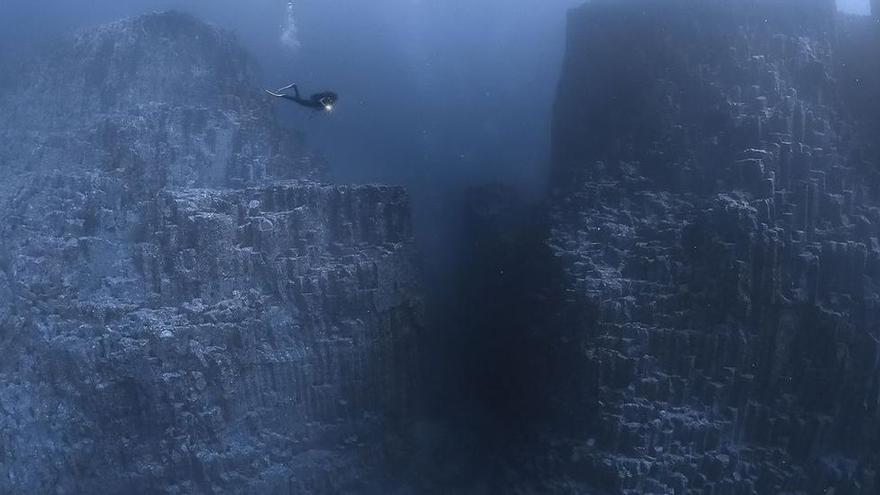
183, 308
717, 200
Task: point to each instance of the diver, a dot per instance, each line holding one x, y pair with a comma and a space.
318, 101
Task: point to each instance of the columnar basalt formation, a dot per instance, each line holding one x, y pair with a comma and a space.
717, 200
183, 308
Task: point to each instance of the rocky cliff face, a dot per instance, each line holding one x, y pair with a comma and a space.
183, 309
717, 201
168, 101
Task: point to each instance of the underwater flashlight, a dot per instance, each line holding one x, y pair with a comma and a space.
329, 108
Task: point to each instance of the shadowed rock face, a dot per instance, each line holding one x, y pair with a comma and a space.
182, 310
718, 204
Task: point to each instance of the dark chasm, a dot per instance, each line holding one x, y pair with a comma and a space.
608, 247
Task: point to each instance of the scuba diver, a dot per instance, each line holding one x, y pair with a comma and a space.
318, 101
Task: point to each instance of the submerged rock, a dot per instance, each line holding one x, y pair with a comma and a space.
182, 308
718, 203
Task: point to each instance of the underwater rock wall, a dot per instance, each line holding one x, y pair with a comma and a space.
717, 200
183, 309
164, 100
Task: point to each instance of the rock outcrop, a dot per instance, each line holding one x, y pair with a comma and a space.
717, 200
184, 308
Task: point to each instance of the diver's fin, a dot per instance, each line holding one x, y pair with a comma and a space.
277, 95
286, 87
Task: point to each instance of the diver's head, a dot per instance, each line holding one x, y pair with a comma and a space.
329, 101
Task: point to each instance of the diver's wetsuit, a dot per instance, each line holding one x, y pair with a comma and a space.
318, 101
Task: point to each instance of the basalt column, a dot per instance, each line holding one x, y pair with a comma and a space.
715, 200
186, 306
